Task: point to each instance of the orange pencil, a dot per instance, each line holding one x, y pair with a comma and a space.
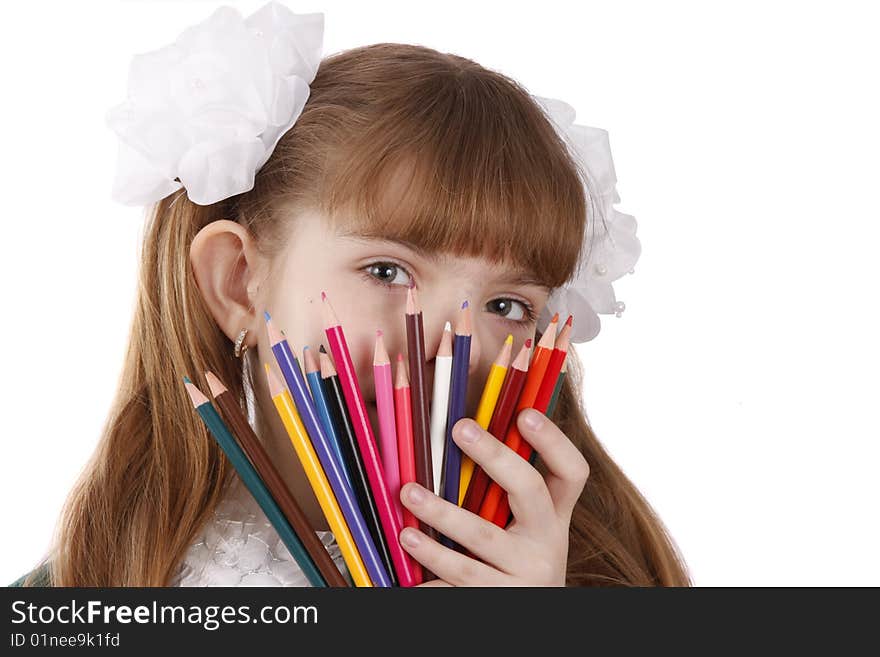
542, 403
537, 369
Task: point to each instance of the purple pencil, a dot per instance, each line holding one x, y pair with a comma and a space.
293, 376
461, 352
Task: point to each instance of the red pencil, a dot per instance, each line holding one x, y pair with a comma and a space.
366, 441
542, 402
511, 390
405, 456
537, 369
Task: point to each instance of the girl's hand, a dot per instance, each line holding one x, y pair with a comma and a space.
533, 550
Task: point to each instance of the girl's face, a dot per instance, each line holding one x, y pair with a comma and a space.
366, 282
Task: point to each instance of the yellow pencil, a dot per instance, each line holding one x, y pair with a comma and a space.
485, 408
318, 480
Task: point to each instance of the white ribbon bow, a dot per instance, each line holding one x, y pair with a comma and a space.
206, 112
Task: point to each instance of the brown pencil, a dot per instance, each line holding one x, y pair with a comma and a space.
257, 454
415, 343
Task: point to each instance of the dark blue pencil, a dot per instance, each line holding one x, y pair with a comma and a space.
461, 355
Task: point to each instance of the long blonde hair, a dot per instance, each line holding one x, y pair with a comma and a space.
485, 175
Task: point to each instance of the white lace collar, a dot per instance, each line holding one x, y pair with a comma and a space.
239, 547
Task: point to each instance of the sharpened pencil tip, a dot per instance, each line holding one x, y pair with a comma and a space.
568, 321
378, 333
323, 296
448, 326
266, 315
186, 379
322, 350
464, 305
509, 339
529, 343
399, 356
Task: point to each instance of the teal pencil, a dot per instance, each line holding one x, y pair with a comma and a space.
254, 484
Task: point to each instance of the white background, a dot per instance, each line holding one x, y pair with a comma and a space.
736, 390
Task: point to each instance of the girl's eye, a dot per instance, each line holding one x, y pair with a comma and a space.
388, 273
508, 310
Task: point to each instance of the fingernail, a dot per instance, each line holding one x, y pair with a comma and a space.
468, 432
533, 419
410, 537
415, 493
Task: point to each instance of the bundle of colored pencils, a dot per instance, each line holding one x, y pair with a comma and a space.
356, 478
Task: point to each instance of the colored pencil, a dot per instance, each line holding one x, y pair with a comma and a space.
485, 408
366, 441
415, 345
511, 389
255, 451
387, 424
299, 437
349, 445
503, 507
496, 494
370, 552
440, 403
254, 483
461, 356
551, 408
313, 376
406, 457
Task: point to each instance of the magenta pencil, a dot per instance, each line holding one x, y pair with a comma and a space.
387, 424
357, 409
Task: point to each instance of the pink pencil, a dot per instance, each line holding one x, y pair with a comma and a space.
387, 424
357, 409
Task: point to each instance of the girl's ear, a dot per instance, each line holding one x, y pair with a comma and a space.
227, 269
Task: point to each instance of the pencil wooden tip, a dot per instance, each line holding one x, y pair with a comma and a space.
198, 398
214, 384
275, 336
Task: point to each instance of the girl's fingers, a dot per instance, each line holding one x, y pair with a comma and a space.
484, 539
450, 566
524, 485
567, 469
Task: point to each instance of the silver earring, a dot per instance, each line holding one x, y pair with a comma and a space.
239, 341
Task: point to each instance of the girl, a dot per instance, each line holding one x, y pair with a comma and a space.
407, 166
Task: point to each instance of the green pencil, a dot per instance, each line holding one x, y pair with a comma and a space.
254, 484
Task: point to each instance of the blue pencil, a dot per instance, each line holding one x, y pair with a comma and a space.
292, 373
254, 483
313, 377
461, 355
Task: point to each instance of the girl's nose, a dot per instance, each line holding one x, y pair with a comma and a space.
435, 319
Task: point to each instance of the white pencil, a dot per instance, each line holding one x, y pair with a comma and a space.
440, 403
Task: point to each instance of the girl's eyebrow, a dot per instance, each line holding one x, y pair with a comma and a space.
515, 277
415, 248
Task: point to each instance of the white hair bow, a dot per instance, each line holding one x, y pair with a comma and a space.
206, 112
606, 255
